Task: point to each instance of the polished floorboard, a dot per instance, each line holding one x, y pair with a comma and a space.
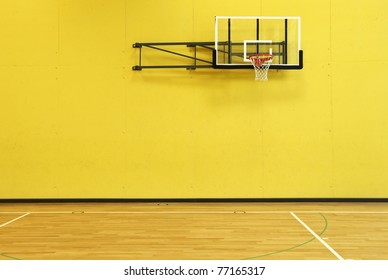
193, 231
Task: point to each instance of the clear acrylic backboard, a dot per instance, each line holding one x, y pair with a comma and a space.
239, 37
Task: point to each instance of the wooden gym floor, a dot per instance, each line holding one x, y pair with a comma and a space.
194, 231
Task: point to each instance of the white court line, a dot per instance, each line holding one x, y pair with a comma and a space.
228, 212
344, 212
190, 212
196, 212
152, 212
317, 237
18, 218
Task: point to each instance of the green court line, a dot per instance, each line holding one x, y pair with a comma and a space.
293, 247
9, 257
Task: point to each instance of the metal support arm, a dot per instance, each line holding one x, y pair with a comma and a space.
161, 47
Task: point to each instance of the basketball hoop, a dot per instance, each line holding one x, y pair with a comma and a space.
261, 63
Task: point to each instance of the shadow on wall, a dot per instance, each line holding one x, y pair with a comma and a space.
221, 87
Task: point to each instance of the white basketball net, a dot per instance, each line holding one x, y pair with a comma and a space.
261, 63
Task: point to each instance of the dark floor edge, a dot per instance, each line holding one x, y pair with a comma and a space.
190, 200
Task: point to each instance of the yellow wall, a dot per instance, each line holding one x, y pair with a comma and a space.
76, 121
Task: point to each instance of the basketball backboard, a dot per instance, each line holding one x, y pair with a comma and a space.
238, 37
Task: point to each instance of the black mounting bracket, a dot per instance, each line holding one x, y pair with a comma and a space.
203, 63
163, 47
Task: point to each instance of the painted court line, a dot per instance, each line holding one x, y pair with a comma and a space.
344, 212
152, 212
194, 212
18, 218
317, 237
